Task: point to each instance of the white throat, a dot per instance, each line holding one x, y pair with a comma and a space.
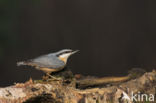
64, 57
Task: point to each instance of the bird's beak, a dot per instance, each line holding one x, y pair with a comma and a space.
74, 52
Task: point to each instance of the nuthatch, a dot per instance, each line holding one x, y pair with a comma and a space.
49, 63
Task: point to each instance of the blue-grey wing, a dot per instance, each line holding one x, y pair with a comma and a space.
49, 61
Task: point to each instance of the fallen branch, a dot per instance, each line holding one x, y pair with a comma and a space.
65, 92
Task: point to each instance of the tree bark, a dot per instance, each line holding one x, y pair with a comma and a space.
68, 92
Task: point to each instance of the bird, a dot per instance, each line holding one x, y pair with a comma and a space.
52, 62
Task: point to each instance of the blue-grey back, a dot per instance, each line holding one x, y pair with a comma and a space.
49, 61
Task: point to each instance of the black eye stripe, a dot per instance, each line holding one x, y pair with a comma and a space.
68, 52
64, 53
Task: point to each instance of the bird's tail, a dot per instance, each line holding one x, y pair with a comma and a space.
21, 63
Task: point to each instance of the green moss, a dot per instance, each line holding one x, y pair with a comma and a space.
136, 72
39, 81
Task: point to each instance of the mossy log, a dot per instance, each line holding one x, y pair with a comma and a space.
68, 92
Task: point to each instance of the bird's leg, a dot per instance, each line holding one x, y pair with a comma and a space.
48, 74
52, 77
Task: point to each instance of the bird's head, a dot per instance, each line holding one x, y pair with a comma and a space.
65, 54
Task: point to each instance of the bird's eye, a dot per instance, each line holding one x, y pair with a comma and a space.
68, 51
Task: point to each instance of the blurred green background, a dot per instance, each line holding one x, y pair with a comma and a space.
113, 36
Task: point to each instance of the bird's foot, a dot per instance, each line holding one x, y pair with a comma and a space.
50, 77
55, 78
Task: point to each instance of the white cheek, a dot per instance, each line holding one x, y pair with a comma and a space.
65, 56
